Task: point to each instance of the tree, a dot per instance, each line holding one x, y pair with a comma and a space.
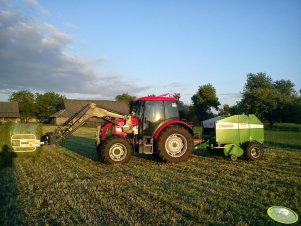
125, 97
237, 109
260, 97
291, 110
225, 110
285, 87
186, 113
203, 101
298, 110
271, 101
47, 104
263, 103
26, 102
259, 80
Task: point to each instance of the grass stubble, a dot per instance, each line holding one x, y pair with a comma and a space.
68, 185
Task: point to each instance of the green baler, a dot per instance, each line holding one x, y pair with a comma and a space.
236, 135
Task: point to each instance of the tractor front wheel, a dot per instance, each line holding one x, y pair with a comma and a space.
174, 144
116, 150
253, 151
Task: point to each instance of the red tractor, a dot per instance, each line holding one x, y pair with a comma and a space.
153, 127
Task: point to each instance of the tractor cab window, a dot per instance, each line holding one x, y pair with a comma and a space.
171, 110
153, 116
138, 109
154, 111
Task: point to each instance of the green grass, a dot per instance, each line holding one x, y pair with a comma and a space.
5, 135
68, 185
285, 139
284, 127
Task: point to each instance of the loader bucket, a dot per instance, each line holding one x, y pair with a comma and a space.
24, 142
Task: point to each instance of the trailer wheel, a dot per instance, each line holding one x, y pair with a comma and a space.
253, 151
116, 150
174, 144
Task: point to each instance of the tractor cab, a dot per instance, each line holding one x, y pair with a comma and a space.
153, 112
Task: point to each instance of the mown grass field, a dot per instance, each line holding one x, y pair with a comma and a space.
68, 185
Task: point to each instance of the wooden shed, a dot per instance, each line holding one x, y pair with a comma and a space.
71, 106
9, 112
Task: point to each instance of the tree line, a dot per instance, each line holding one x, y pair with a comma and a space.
37, 105
271, 101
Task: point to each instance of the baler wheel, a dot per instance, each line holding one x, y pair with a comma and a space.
253, 151
174, 144
116, 150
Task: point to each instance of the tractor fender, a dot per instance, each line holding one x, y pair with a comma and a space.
104, 130
173, 122
116, 132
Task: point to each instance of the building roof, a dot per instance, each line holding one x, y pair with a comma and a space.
9, 110
70, 107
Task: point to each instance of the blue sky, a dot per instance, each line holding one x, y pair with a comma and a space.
99, 49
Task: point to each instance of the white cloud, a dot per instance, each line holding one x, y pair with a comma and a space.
36, 5
236, 95
33, 3
178, 85
33, 56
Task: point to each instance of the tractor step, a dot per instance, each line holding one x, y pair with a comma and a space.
146, 147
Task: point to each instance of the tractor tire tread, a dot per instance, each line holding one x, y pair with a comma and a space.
160, 144
105, 148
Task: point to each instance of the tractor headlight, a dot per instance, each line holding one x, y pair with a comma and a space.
118, 129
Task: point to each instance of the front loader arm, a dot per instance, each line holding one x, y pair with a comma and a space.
79, 118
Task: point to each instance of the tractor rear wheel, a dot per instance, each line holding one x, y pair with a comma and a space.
174, 144
116, 150
253, 151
